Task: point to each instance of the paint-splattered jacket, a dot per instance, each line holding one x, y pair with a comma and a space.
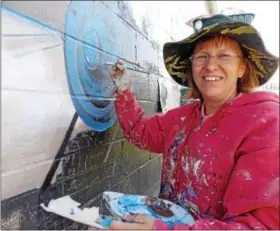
225, 171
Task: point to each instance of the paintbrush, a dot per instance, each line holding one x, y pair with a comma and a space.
130, 68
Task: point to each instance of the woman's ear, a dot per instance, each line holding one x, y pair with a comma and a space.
242, 68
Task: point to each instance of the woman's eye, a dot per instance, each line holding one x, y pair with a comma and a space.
201, 57
224, 56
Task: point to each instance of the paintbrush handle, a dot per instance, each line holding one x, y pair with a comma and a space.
131, 68
137, 70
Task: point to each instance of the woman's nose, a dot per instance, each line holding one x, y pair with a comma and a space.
211, 63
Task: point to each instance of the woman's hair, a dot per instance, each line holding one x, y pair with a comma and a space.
246, 84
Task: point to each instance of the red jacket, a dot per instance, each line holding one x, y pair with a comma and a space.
226, 171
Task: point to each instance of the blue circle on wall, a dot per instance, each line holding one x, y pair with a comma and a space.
87, 46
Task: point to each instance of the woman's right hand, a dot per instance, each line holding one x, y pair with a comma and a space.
120, 76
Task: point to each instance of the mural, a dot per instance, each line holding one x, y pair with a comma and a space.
88, 45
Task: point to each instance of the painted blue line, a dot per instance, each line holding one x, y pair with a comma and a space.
32, 52
28, 18
23, 35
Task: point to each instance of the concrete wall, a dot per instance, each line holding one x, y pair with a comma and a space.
41, 86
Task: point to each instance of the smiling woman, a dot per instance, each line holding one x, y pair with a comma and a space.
213, 166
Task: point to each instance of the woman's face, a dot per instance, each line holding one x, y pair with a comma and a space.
216, 65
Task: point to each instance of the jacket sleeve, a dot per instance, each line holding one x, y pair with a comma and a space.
251, 200
145, 132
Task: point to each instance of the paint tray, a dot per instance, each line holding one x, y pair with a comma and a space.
118, 204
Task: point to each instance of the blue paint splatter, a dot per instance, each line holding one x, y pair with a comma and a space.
191, 192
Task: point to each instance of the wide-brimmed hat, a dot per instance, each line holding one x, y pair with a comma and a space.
175, 54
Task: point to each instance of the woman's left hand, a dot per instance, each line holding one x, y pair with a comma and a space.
137, 221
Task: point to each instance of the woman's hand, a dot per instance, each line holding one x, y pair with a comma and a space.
120, 76
133, 222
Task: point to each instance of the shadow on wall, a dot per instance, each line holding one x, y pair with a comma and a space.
88, 168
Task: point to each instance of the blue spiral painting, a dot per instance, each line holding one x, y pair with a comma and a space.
87, 46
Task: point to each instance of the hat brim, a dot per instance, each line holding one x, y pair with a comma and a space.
175, 54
